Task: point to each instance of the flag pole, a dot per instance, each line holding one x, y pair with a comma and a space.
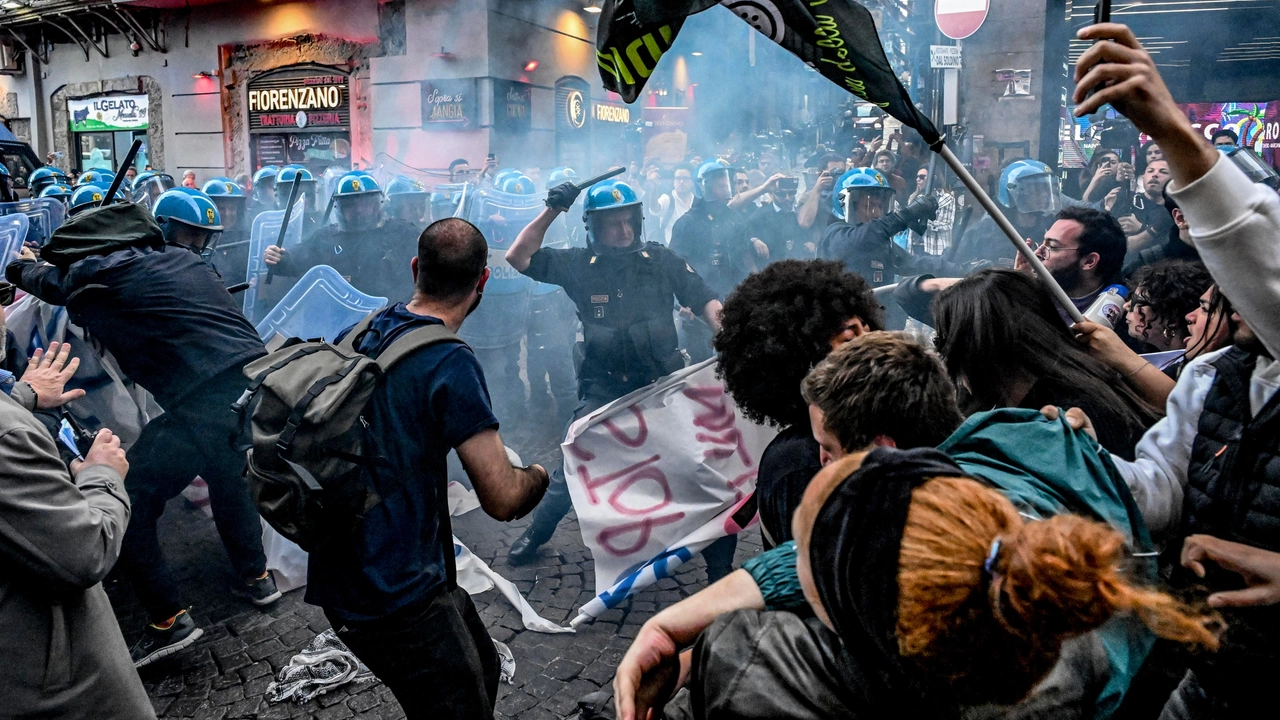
1014, 236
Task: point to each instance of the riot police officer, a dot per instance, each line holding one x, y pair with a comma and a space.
188, 218
624, 290
44, 176
101, 178
231, 255
6, 186
407, 201
148, 186
57, 191
369, 252
553, 326
1029, 197
864, 241
713, 239
88, 196
264, 190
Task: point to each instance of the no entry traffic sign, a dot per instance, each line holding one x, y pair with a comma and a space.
958, 19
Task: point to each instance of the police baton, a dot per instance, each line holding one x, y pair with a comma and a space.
599, 178
284, 222
115, 184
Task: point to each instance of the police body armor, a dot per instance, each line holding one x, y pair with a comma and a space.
502, 319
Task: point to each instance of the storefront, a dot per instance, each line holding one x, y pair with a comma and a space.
300, 114
103, 128
573, 130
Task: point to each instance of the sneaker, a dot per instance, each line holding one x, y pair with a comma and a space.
157, 643
260, 591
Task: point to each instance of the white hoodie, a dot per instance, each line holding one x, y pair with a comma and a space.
1235, 224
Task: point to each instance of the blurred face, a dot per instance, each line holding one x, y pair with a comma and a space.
767, 165
830, 446
868, 206
785, 199
835, 168
1109, 163
884, 163
1145, 326
460, 173
534, 174
1223, 141
1207, 331
131, 173
411, 208
717, 187
683, 182
614, 228
1154, 153
741, 183
1155, 178
230, 212
1060, 253
361, 211
922, 179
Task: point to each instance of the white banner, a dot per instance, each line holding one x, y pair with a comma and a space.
657, 475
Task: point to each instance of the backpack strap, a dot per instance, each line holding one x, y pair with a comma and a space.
348, 343
414, 340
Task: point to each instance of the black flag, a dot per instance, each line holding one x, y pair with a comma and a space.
836, 37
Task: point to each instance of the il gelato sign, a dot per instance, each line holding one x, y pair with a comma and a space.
105, 114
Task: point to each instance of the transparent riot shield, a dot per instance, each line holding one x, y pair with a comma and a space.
264, 232
324, 193
503, 316
13, 232
320, 305
44, 215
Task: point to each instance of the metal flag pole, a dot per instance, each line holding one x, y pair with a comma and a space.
1014, 237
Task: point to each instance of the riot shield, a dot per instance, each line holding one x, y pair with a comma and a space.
264, 232
44, 215
501, 319
328, 182
13, 232
320, 305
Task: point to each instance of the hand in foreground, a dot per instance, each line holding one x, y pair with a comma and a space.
105, 451
273, 255
771, 185
26, 253
1075, 418
648, 675
1259, 568
1105, 345
48, 372
761, 249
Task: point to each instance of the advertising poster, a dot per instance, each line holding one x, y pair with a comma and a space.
108, 114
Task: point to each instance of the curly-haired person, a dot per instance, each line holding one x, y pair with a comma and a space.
1163, 294
776, 326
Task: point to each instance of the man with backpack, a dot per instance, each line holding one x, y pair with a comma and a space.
388, 584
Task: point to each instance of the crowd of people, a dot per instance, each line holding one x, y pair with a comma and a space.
1001, 512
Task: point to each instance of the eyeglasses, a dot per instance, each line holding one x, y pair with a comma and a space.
1050, 249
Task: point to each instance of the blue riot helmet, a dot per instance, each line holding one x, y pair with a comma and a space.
230, 199
284, 182
610, 208
407, 200
518, 185
1029, 186
101, 178
443, 205
357, 200
44, 176
264, 185
150, 185
86, 197
189, 218
856, 184
502, 175
58, 191
709, 175
560, 176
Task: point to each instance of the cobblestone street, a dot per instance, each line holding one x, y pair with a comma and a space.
226, 673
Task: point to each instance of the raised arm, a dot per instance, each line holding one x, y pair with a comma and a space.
743, 199
559, 199
505, 492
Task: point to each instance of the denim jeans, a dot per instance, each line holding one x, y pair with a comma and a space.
434, 655
194, 438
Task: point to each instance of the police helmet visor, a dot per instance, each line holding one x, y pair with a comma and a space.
231, 208
1255, 167
716, 186
154, 186
1035, 194
359, 212
864, 204
615, 229
411, 207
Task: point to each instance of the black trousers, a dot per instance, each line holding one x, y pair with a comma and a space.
435, 656
193, 438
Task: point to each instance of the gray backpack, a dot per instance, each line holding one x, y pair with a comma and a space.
308, 464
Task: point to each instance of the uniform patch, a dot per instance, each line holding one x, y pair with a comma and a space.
208, 215
617, 195
599, 298
688, 267
598, 312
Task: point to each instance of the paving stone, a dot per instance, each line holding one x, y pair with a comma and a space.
563, 670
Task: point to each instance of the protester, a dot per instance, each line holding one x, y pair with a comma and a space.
775, 327
1084, 251
936, 240
391, 592
1004, 343
745, 198
1104, 177
460, 171
672, 206
815, 211
189, 179
1148, 220
1225, 137
1176, 245
60, 534
1161, 296
1222, 397
1028, 197
162, 311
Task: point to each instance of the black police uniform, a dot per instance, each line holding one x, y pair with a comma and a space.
869, 250
374, 260
624, 302
713, 239
231, 256
779, 230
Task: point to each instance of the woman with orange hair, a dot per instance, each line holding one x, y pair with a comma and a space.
942, 597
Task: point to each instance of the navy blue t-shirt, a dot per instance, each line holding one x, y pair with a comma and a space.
431, 402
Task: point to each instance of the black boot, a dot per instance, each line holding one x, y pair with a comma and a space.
525, 549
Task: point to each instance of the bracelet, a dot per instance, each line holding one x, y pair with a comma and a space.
1140, 367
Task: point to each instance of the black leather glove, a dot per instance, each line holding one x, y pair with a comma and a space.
919, 213
562, 196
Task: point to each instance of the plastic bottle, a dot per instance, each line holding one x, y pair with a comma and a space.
1109, 307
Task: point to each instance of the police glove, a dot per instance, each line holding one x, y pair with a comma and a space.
561, 197
919, 213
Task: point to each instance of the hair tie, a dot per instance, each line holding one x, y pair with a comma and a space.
988, 565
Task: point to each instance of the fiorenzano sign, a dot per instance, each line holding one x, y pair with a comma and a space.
958, 19
298, 98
